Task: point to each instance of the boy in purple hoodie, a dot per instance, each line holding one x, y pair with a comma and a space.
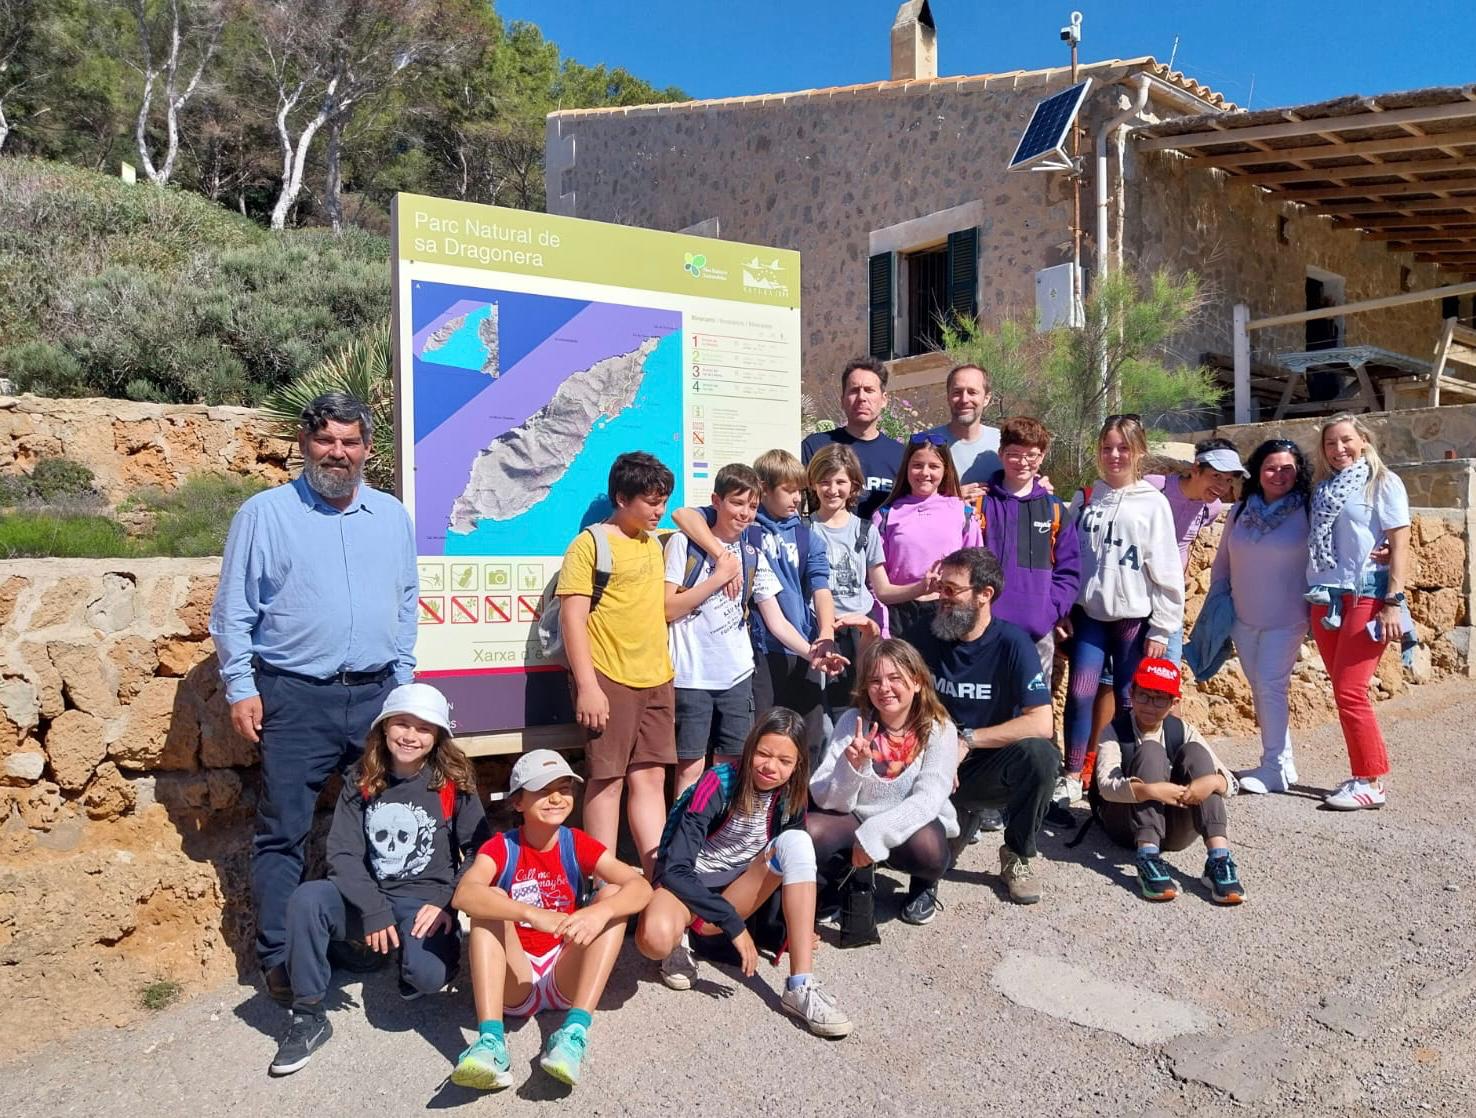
1027, 528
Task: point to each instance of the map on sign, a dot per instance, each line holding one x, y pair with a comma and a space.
522, 402
531, 351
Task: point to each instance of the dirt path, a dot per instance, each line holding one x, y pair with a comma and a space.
1346, 985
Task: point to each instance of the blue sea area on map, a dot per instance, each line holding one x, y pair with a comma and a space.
465, 348
653, 423
524, 321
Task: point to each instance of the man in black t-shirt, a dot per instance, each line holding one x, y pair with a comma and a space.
988, 675
864, 398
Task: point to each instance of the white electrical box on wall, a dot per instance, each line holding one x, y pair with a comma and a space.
1055, 297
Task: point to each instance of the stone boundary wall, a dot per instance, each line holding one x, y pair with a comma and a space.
129, 445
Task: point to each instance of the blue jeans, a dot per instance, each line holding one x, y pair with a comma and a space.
1092, 642
317, 915
308, 732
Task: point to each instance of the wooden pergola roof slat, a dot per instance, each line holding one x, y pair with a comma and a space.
1221, 134
1337, 150
1383, 190
1360, 171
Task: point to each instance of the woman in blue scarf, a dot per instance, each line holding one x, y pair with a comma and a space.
1263, 555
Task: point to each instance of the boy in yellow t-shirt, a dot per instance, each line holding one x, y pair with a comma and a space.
618, 659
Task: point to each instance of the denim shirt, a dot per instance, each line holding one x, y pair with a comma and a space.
314, 590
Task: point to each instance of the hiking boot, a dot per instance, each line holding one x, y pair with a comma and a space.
679, 969
484, 1066
564, 1057
1154, 878
278, 985
307, 1033
1356, 795
1019, 875
1222, 878
922, 908
816, 1009
990, 819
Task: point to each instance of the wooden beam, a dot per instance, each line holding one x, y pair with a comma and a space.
1338, 149
1380, 190
1466, 256
1404, 230
1452, 244
1391, 210
1457, 110
1366, 305
1357, 171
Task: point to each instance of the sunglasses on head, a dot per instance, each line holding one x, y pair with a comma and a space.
930, 437
1126, 415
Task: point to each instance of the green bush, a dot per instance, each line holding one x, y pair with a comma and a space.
159, 295
192, 520
57, 479
37, 535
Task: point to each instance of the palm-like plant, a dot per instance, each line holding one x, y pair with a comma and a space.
364, 370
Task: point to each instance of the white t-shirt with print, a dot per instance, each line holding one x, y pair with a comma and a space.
849, 565
710, 647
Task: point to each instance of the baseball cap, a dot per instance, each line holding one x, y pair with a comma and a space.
1222, 459
418, 699
1158, 674
538, 769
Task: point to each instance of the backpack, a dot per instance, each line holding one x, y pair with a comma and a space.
1174, 735
753, 535
1055, 523
550, 628
697, 558
567, 859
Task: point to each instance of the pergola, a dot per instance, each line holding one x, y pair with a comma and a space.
1399, 168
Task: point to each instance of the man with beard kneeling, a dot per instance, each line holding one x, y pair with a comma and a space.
987, 672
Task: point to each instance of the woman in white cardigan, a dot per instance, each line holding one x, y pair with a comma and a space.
882, 788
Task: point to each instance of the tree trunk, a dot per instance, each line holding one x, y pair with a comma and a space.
4, 126
294, 154
333, 186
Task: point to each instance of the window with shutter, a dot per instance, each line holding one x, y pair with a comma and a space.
963, 273
880, 310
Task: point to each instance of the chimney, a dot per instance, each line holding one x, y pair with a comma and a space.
914, 42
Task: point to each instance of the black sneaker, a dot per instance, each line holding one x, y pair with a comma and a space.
278, 985
409, 993
922, 908
307, 1033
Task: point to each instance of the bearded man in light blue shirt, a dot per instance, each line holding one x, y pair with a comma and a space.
314, 623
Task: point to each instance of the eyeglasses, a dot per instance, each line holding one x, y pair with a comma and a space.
1021, 454
1155, 699
1121, 416
1276, 445
931, 437
948, 591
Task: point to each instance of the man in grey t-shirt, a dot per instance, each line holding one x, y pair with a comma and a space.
973, 445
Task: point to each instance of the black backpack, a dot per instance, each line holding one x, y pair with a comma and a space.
1174, 735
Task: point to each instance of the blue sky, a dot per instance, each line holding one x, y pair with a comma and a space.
1263, 52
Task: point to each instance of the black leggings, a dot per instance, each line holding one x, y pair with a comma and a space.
924, 856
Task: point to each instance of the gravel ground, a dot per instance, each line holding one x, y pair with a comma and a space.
1345, 985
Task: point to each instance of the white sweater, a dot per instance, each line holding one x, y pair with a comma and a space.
1130, 558
892, 810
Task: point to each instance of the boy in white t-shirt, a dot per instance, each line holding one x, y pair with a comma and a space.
711, 649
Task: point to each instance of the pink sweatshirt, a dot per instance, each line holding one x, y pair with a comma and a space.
916, 533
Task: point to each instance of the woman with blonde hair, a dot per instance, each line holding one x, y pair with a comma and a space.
1358, 505
882, 787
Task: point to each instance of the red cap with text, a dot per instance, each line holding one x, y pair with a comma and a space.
1158, 674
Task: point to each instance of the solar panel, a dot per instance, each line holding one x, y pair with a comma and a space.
1044, 141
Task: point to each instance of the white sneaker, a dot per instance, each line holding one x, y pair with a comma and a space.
1258, 782
816, 1009
678, 970
1068, 791
1356, 795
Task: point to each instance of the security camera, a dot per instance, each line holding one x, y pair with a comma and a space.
1072, 32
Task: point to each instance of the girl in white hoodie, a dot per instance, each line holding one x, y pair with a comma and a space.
1132, 584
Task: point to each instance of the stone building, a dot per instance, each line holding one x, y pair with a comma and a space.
897, 195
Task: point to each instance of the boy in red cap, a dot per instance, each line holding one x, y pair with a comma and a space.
1160, 784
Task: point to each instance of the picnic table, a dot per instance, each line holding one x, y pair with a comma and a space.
1360, 366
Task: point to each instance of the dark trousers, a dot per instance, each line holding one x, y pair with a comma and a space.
1017, 778
1168, 828
317, 915
782, 679
923, 855
308, 732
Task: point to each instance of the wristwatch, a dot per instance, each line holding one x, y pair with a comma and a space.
1395, 599
966, 735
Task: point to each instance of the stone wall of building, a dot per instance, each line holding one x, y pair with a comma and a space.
129, 445
1190, 220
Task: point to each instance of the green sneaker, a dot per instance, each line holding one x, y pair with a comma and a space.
484, 1066
564, 1057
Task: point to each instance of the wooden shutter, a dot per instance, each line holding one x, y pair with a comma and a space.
880, 306
963, 273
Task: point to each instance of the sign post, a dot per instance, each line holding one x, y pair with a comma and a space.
531, 350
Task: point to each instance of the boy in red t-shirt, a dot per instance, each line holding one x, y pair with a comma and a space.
531, 946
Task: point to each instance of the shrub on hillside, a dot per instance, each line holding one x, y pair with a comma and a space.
52, 481
159, 295
193, 519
